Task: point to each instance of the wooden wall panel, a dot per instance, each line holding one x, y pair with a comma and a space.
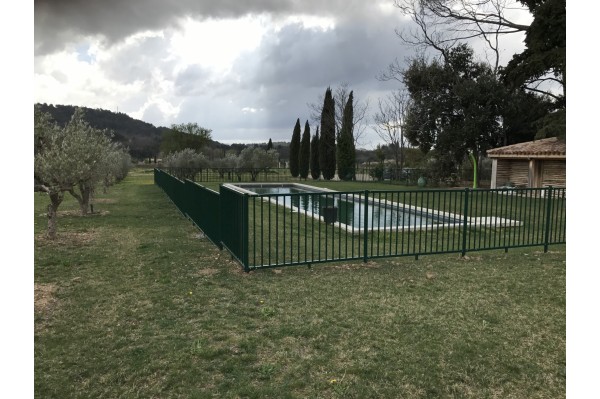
554, 173
519, 172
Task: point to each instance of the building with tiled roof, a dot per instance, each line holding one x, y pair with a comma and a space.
534, 164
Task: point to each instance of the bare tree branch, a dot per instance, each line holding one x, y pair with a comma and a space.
441, 24
389, 123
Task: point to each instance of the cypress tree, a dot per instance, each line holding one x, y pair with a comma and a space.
269, 145
295, 150
304, 159
327, 141
346, 153
315, 171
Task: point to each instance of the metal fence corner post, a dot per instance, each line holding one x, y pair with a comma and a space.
465, 223
549, 193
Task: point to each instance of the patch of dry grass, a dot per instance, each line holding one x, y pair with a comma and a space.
44, 297
67, 238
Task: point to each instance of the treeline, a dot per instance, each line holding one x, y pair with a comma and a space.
145, 141
185, 164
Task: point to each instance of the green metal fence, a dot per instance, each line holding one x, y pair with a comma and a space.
372, 173
203, 207
200, 204
290, 229
272, 230
406, 176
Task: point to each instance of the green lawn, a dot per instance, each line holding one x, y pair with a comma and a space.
132, 302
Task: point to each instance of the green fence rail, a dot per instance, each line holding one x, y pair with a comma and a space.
406, 176
373, 173
271, 230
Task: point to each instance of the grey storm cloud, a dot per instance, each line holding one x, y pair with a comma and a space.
267, 87
130, 62
296, 65
60, 21
290, 68
352, 52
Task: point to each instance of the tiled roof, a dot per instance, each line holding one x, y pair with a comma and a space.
551, 147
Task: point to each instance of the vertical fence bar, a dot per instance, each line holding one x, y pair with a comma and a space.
254, 231
465, 219
305, 228
270, 228
353, 222
365, 226
276, 229
284, 226
312, 229
262, 239
397, 220
421, 223
338, 217
472, 216
404, 214
559, 212
548, 218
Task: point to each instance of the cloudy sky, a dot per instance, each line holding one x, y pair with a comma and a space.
245, 69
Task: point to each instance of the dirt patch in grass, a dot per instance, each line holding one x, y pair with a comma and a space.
471, 258
44, 297
356, 265
44, 303
67, 238
207, 272
77, 213
105, 201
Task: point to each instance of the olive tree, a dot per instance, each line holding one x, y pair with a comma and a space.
49, 175
255, 160
186, 163
118, 165
227, 164
97, 156
74, 159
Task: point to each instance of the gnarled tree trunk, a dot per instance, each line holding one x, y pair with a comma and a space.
83, 197
55, 200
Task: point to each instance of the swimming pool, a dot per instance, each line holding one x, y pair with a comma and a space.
350, 207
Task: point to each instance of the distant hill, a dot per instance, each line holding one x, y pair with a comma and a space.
142, 139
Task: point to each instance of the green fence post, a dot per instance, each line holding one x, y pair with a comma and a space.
465, 222
366, 227
244, 227
548, 218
